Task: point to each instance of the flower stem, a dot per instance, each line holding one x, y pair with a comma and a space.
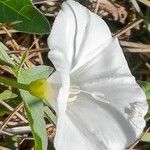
13, 83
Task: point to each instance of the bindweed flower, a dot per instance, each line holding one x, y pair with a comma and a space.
97, 100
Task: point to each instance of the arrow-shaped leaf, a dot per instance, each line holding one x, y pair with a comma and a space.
30, 19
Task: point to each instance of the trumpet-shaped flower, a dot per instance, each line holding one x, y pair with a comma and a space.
97, 100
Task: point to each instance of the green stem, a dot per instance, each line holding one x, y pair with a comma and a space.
13, 83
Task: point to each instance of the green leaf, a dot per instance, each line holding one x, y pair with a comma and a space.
7, 95
146, 137
146, 88
147, 117
51, 116
2, 62
3, 110
6, 60
4, 56
34, 106
23, 59
30, 19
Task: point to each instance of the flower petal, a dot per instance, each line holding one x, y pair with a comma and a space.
61, 86
108, 77
108, 113
69, 137
76, 35
92, 125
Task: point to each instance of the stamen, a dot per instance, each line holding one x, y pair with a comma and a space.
74, 91
100, 97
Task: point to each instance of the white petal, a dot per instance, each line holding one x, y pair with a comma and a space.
59, 96
56, 83
69, 137
108, 113
92, 125
108, 77
76, 36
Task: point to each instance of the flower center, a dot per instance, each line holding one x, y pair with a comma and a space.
74, 91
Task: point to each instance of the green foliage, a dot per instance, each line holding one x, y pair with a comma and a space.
146, 88
49, 114
4, 58
28, 18
3, 110
2, 62
7, 94
7, 61
146, 137
7, 142
23, 59
34, 106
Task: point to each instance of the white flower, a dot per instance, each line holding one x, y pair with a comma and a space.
97, 100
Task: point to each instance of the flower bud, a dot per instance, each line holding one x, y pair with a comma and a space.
40, 88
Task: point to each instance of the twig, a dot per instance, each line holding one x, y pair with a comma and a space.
10, 116
147, 65
128, 27
136, 6
15, 44
145, 60
136, 50
39, 1
4, 148
10, 123
146, 2
22, 129
11, 109
37, 47
6, 133
41, 50
97, 6
10, 36
135, 45
34, 42
10, 31
136, 142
